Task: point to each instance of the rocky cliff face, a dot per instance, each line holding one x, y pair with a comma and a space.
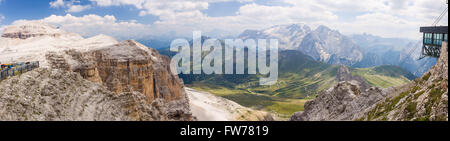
122, 68
344, 74
129, 66
58, 95
125, 68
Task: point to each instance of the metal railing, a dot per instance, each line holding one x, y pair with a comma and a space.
16, 69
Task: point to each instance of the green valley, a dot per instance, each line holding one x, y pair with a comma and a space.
300, 79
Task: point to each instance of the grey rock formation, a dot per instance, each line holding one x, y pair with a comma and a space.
344, 74
57, 95
126, 67
342, 102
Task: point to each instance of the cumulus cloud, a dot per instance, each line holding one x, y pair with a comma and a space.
162, 7
77, 8
382, 24
72, 6
185, 16
57, 4
249, 16
92, 25
390, 18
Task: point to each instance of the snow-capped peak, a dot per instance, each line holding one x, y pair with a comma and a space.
289, 36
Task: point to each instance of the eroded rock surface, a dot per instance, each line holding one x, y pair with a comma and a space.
341, 102
57, 95
126, 67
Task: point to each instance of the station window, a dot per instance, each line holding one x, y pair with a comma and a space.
446, 37
427, 38
437, 39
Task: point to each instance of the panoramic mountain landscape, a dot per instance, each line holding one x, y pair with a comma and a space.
116, 60
359, 50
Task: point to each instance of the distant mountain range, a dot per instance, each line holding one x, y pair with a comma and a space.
332, 47
322, 44
392, 51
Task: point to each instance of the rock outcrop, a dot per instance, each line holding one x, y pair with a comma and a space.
345, 74
57, 95
126, 67
342, 102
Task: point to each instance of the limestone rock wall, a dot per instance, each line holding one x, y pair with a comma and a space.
128, 67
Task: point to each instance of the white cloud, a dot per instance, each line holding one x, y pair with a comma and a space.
390, 18
249, 16
72, 5
77, 8
382, 24
185, 16
57, 4
92, 25
163, 7
1, 26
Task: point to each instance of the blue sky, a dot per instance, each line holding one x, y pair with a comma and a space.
39, 9
150, 18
